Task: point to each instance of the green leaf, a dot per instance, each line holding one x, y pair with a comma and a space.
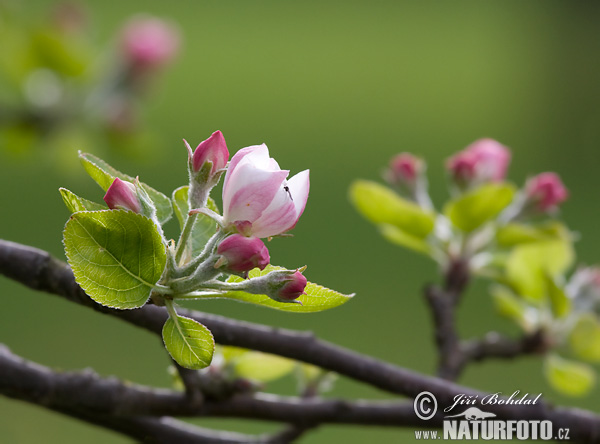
261, 367
474, 208
381, 205
509, 305
188, 342
396, 236
569, 377
75, 203
559, 301
514, 234
117, 256
204, 226
317, 298
528, 265
585, 338
104, 175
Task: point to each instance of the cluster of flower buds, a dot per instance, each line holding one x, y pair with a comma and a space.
258, 202
485, 160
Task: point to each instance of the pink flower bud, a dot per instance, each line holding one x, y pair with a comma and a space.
122, 195
149, 42
546, 190
404, 169
484, 160
213, 149
243, 254
255, 190
293, 286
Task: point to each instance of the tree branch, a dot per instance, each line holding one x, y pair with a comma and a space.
38, 270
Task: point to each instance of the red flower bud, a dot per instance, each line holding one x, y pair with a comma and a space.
484, 160
546, 190
404, 169
243, 254
213, 149
293, 286
122, 195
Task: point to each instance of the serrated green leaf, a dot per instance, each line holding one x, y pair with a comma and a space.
188, 342
381, 205
204, 226
514, 234
117, 256
528, 265
262, 367
569, 377
318, 298
399, 237
559, 301
585, 338
474, 208
75, 203
104, 175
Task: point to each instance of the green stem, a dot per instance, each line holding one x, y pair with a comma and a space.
185, 235
171, 311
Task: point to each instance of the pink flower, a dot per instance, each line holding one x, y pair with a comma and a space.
404, 169
546, 190
122, 195
483, 161
243, 253
213, 149
149, 42
293, 286
257, 197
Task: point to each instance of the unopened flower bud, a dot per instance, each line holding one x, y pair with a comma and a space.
292, 286
213, 150
122, 195
485, 160
404, 169
546, 191
148, 43
279, 285
242, 254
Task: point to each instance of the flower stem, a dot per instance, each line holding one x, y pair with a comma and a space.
185, 235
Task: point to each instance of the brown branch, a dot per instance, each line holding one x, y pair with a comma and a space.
38, 270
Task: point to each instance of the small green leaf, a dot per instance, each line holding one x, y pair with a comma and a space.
317, 298
515, 234
569, 377
381, 205
204, 226
528, 265
75, 203
188, 342
261, 367
104, 175
117, 256
585, 338
509, 305
474, 208
399, 237
559, 301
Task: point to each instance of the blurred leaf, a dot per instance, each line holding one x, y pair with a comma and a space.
527, 265
317, 298
559, 301
104, 175
381, 205
75, 203
514, 234
54, 51
508, 304
399, 237
188, 342
474, 208
585, 338
569, 377
204, 226
262, 367
113, 272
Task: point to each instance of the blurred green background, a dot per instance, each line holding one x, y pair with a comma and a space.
337, 87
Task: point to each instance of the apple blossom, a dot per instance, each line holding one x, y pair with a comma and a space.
484, 160
122, 195
242, 254
149, 42
546, 190
404, 169
257, 196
